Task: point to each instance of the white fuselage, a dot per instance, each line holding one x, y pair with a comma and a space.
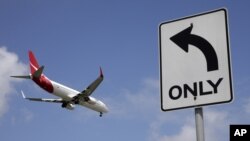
67, 94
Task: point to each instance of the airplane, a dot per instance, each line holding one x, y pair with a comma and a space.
68, 96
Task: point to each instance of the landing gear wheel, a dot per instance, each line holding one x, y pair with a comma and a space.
64, 105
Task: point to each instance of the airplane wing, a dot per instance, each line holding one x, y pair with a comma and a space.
90, 89
43, 99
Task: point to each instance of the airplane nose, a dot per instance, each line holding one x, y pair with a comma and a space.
105, 109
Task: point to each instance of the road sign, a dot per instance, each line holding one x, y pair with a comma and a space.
195, 68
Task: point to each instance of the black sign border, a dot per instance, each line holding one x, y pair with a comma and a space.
228, 54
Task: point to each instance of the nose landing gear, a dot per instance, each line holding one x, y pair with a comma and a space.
100, 114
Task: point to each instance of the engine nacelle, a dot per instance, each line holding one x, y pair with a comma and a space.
68, 106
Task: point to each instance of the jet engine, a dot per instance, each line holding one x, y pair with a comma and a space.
68, 106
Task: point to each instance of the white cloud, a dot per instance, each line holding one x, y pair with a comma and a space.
173, 126
187, 133
141, 102
24, 115
9, 65
144, 103
27, 115
182, 123
247, 106
216, 124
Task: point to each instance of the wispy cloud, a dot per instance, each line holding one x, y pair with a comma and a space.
144, 104
140, 102
180, 125
217, 124
9, 64
186, 133
173, 126
247, 106
24, 115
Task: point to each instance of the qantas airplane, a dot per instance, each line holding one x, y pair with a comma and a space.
68, 96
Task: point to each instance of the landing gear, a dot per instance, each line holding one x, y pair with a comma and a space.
100, 114
64, 105
77, 101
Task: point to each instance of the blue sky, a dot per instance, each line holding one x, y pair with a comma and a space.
73, 38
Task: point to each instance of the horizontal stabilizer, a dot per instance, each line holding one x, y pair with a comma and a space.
22, 76
36, 74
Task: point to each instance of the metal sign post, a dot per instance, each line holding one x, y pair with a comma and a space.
199, 124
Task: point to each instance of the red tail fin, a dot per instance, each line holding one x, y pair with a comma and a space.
33, 62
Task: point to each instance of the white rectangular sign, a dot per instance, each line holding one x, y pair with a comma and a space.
195, 68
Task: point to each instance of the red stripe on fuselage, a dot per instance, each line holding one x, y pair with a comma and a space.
44, 83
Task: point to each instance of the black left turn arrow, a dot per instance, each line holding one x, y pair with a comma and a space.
184, 38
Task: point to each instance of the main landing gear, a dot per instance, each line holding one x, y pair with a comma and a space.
100, 114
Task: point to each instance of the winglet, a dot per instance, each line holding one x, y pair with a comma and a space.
23, 94
101, 74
